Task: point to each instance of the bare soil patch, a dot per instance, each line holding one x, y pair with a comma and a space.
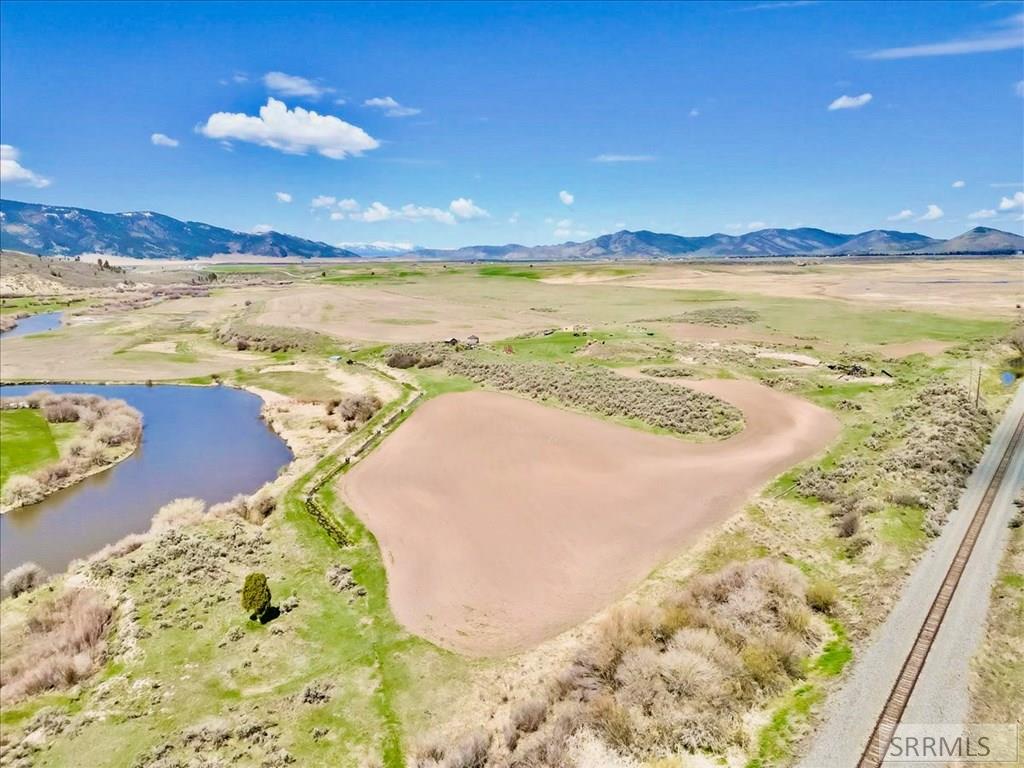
503, 522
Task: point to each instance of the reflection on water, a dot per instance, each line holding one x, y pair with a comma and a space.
47, 321
207, 442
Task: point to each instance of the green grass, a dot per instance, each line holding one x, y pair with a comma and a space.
35, 306
527, 273
837, 653
555, 346
375, 275
301, 385
26, 443
793, 710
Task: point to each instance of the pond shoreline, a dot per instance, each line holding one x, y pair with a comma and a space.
210, 485
73, 480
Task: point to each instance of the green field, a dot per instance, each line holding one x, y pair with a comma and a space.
26, 443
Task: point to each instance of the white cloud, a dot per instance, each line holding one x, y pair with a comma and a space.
694, 112
293, 85
323, 201
460, 209
514, 218
262, 229
1011, 203
903, 215
391, 107
13, 172
294, 131
1018, 87
565, 228
283, 197
984, 213
338, 216
933, 213
756, 225
1004, 184
959, 184
377, 211
622, 158
465, 208
566, 197
348, 204
850, 102
1006, 36
163, 140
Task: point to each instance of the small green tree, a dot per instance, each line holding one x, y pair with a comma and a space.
255, 595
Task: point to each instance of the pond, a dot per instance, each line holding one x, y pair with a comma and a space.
45, 321
207, 442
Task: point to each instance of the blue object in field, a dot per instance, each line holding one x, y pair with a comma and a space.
1007, 377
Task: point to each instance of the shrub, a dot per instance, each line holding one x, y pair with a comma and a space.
25, 577
526, 717
848, 525
60, 411
599, 390
402, 359
178, 513
64, 639
358, 407
21, 489
255, 595
822, 596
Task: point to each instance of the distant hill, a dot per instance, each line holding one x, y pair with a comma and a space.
763, 243
982, 240
58, 231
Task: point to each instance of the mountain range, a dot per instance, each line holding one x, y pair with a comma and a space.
61, 231
57, 231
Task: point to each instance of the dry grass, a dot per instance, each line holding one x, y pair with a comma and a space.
679, 677
63, 643
24, 578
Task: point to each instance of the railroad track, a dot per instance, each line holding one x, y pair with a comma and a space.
899, 696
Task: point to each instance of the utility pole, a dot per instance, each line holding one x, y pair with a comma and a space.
977, 389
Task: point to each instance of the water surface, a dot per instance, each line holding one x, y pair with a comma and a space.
45, 321
207, 442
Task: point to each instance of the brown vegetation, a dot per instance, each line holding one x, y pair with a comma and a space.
268, 338
24, 578
599, 390
681, 676
63, 641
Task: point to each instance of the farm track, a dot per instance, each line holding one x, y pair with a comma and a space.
896, 703
345, 456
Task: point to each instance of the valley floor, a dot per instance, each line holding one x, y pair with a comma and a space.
364, 665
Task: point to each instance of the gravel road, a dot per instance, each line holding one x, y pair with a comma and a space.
941, 693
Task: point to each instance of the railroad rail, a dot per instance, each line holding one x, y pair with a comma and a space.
895, 705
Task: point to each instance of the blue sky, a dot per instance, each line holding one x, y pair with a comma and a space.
449, 124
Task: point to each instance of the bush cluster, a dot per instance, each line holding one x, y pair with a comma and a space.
107, 425
24, 578
270, 338
63, 642
417, 355
599, 390
720, 316
681, 676
943, 435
